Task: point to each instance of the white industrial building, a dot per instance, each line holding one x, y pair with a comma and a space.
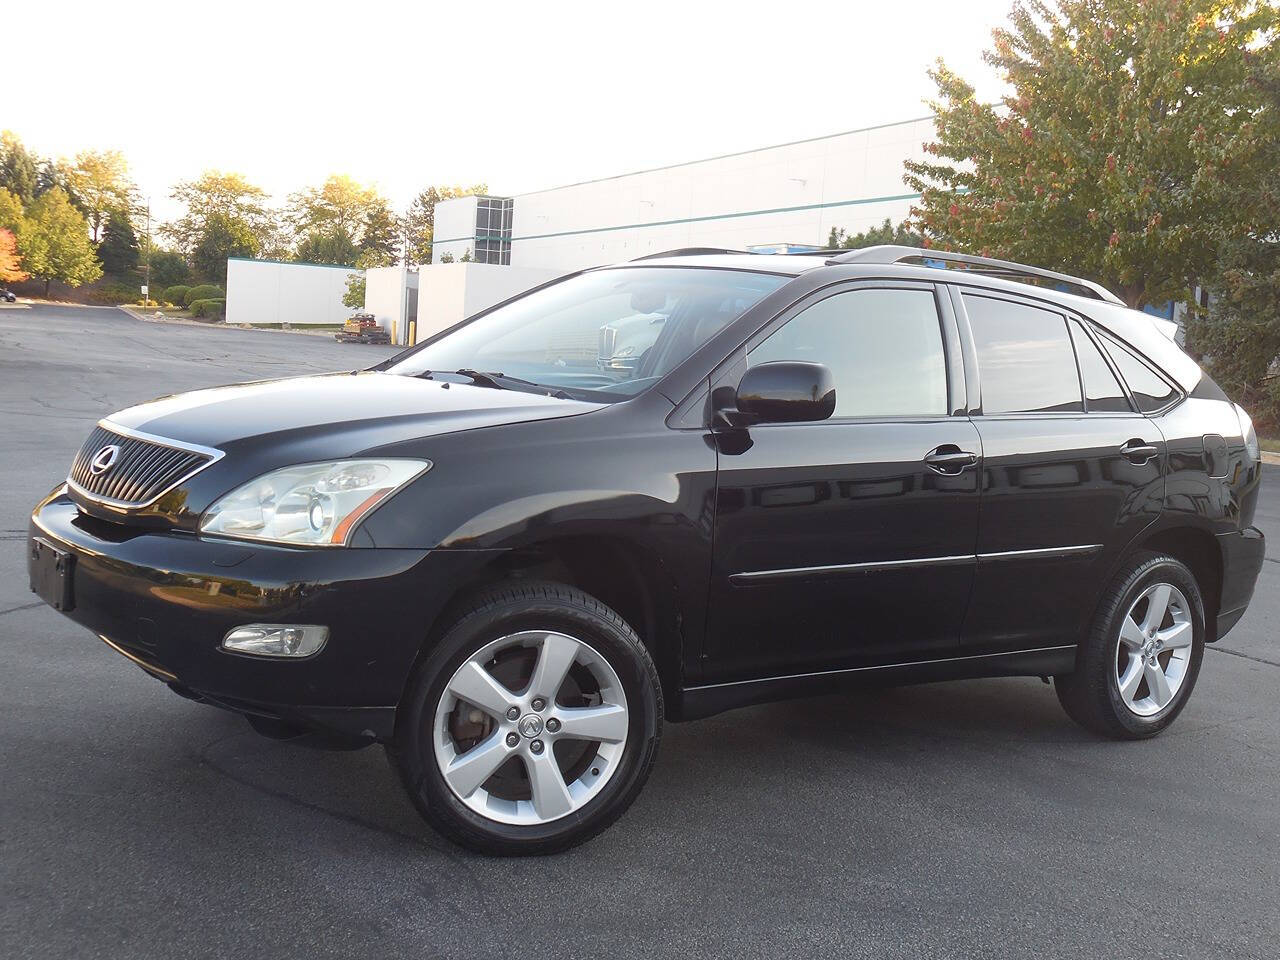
490, 248
790, 194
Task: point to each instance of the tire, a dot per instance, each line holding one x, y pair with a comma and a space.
1114, 691
507, 635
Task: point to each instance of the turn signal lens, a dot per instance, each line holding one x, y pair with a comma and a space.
276, 639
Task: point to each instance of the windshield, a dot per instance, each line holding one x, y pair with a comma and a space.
606, 335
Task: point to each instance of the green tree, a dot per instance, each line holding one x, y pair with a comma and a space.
223, 203
100, 182
18, 167
339, 203
339, 216
1120, 149
223, 235
55, 242
57, 173
354, 295
118, 250
328, 246
10, 260
380, 236
10, 210
168, 268
1238, 336
887, 232
418, 224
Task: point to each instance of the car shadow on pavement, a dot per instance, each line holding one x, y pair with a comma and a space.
850, 738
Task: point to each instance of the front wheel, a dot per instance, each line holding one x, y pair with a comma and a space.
533, 723
1139, 662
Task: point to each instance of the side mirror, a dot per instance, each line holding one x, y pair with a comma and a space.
786, 391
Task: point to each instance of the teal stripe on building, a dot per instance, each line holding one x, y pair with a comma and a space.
703, 219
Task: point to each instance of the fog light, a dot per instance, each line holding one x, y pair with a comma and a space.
276, 639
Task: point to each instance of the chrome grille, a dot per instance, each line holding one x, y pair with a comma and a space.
144, 470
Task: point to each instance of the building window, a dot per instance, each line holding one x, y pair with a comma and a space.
493, 230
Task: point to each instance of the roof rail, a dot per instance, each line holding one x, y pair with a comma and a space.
688, 252
890, 253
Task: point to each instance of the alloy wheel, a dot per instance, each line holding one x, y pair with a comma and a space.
1153, 652
530, 728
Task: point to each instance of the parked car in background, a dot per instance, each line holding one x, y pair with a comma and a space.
509, 556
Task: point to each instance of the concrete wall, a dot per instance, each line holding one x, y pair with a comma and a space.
387, 296
448, 293
793, 193
264, 291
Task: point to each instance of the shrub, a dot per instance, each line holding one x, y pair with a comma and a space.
210, 309
205, 291
175, 294
109, 291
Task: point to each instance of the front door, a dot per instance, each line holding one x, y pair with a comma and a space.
849, 542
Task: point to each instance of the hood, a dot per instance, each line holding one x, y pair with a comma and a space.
382, 407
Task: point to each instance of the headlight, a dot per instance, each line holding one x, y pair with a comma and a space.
312, 503
1250, 434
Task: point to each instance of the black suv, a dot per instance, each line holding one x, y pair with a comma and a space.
665, 489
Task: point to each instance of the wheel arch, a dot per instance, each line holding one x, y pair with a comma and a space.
1199, 550
618, 572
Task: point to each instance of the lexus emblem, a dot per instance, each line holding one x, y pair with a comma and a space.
530, 724
104, 459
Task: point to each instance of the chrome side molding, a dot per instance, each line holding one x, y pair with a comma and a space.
874, 566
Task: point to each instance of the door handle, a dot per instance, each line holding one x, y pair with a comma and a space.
1138, 451
949, 459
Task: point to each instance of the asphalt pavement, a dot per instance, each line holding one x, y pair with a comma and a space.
969, 819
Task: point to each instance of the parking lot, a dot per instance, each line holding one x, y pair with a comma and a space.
970, 819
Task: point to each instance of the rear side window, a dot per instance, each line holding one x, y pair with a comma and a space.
1150, 390
884, 349
1102, 391
1025, 358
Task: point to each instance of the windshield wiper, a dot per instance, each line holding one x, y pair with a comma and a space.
482, 379
497, 378
477, 378
498, 381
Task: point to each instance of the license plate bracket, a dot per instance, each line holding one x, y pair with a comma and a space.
51, 574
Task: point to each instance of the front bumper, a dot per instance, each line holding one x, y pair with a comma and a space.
1243, 552
165, 600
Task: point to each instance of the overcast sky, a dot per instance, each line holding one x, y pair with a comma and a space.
521, 96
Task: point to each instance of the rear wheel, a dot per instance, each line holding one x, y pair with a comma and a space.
532, 725
1139, 662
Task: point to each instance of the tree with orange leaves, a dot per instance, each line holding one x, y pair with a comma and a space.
10, 261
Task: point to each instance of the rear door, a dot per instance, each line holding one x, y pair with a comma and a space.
1071, 472
849, 542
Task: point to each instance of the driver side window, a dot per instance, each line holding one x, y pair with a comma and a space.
883, 346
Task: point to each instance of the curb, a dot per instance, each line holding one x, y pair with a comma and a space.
184, 322
1269, 457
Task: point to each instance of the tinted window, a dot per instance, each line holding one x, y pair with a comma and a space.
1102, 391
1150, 390
884, 348
1024, 358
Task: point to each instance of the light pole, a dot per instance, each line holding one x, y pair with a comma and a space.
146, 282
